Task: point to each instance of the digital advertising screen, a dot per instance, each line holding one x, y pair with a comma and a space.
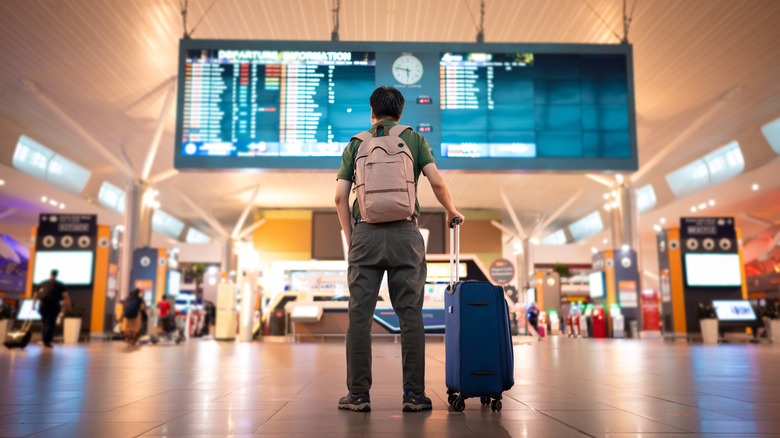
297, 104
26, 311
713, 270
75, 267
734, 310
596, 284
174, 282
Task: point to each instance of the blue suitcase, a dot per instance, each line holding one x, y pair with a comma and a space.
478, 342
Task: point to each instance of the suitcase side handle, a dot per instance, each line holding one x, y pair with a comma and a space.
454, 254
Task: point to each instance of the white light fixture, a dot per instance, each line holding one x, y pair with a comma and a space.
615, 194
53, 203
662, 220
657, 228
625, 248
62, 206
606, 196
693, 209
712, 202
534, 240
44, 199
754, 187
702, 206
551, 281
604, 241
594, 250
607, 206
2, 182
619, 178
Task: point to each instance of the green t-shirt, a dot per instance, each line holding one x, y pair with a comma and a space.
418, 146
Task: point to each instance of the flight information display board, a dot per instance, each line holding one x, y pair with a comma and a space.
296, 104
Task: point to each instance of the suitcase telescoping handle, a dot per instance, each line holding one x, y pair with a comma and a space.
454, 254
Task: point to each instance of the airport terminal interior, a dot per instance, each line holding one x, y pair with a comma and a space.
616, 162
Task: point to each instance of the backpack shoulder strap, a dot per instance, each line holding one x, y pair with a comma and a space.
398, 129
363, 136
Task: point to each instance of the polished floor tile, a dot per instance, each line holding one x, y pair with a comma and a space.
564, 388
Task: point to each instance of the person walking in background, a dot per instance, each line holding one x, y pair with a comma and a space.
131, 316
532, 315
50, 293
383, 244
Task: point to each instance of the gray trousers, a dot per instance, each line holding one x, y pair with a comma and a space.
398, 248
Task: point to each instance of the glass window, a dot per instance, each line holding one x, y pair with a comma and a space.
772, 133
725, 163
195, 236
689, 179
645, 198
555, 238
42, 163
166, 224
587, 226
112, 197
714, 168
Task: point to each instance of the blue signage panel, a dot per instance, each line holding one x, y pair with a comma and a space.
296, 104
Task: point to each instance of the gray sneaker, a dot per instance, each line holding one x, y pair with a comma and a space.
416, 402
356, 402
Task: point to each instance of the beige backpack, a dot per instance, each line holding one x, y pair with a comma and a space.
384, 176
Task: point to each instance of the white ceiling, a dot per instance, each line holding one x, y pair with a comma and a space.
106, 65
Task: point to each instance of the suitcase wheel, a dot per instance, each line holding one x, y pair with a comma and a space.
459, 404
496, 406
484, 400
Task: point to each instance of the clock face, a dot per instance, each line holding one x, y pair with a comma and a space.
407, 69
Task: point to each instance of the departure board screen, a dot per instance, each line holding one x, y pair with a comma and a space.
265, 105
254, 103
525, 105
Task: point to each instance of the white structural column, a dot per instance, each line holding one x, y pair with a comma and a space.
138, 229
624, 219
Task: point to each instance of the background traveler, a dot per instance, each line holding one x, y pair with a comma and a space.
133, 308
50, 293
396, 247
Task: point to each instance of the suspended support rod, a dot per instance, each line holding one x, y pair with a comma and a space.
506, 230
162, 176
206, 217
158, 130
249, 204
250, 228
558, 212
512, 214
599, 179
78, 128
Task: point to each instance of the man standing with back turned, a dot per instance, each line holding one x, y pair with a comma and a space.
377, 244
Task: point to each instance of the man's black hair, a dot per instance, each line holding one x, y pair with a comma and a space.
55, 273
387, 103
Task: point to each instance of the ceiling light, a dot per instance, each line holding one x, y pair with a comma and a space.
594, 250
534, 240
625, 247
702, 206
662, 220
605, 241
619, 178
607, 206
712, 202
657, 228
606, 196
2, 182
754, 187
693, 209
44, 199
53, 203
615, 194
62, 206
